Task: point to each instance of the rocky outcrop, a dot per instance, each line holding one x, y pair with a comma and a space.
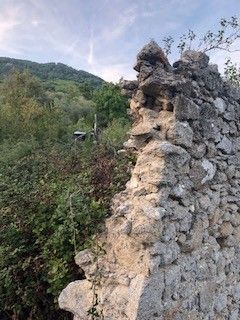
172, 245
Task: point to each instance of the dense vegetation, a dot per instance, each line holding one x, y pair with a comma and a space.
55, 192
48, 71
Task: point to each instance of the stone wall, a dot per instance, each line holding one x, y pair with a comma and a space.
172, 245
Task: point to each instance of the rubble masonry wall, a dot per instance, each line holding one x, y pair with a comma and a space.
173, 241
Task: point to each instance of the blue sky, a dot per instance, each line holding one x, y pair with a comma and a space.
102, 36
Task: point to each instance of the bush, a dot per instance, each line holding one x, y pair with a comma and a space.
116, 133
52, 202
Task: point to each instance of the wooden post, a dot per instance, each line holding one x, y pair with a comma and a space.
95, 128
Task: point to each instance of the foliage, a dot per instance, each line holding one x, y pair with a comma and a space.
68, 96
70, 88
40, 232
115, 133
110, 104
55, 194
26, 111
86, 90
227, 33
232, 72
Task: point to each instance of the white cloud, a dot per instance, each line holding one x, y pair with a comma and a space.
71, 48
10, 19
112, 32
122, 23
35, 22
90, 57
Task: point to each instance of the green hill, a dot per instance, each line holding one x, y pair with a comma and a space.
48, 71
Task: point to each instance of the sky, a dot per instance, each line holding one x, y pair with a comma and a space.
104, 36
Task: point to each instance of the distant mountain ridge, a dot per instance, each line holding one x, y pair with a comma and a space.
48, 71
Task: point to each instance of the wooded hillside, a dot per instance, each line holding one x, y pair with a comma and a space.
48, 71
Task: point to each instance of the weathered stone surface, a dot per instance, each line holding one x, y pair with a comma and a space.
220, 105
208, 111
154, 80
195, 58
201, 172
171, 249
153, 54
211, 79
198, 150
128, 87
181, 134
185, 109
77, 298
225, 145
226, 229
84, 258
210, 170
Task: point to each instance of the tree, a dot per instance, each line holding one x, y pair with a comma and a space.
110, 104
86, 89
26, 111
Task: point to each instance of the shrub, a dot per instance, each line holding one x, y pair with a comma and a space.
116, 133
53, 200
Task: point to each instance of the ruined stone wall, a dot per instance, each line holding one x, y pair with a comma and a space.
173, 241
